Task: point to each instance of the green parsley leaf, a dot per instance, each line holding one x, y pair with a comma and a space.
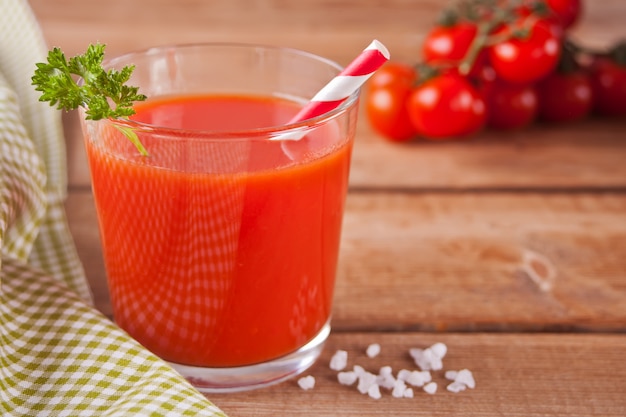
104, 94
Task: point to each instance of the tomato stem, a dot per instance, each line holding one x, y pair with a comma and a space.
485, 38
448, 18
425, 72
477, 45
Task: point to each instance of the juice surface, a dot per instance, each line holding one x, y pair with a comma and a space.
229, 258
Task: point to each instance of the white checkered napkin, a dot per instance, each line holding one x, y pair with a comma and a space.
22, 178
58, 356
21, 46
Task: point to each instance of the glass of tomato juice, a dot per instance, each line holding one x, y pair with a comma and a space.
221, 244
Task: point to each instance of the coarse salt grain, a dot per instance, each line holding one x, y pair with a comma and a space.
385, 370
358, 370
408, 393
430, 388
306, 382
434, 364
374, 392
439, 349
366, 380
429, 359
456, 387
451, 375
385, 377
434, 359
463, 377
347, 378
403, 374
419, 378
373, 350
398, 388
339, 360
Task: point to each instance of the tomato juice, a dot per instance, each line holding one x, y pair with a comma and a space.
220, 252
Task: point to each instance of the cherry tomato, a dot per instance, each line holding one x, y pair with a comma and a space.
392, 73
553, 21
565, 97
608, 81
448, 43
446, 106
484, 79
567, 11
387, 113
525, 60
385, 101
511, 106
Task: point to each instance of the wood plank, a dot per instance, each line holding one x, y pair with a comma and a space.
516, 375
587, 155
456, 261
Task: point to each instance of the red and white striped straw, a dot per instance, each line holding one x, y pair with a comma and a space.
343, 85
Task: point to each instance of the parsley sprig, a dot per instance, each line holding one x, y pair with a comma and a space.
104, 94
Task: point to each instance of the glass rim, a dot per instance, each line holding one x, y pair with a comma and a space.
265, 132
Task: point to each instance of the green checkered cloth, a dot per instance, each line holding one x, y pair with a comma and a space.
58, 355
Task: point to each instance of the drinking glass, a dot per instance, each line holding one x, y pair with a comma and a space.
221, 244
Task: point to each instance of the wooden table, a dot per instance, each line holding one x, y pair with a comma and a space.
438, 237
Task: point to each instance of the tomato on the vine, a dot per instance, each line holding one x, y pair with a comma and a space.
500, 65
392, 73
387, 113
511, 106
567, 11
528, 59
446, 106
386, 98
550, 18
448, 44
608, 81
484, 79
564, 97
